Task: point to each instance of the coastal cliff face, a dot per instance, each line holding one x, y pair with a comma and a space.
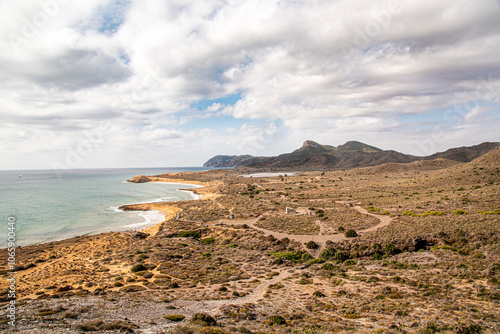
352, 154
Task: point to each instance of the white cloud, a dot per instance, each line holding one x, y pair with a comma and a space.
329, 71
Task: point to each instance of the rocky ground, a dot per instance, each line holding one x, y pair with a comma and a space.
385, 249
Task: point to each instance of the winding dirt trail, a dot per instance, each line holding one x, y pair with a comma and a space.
320, 239
192, 307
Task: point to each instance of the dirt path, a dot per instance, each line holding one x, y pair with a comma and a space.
320, 239
191, 307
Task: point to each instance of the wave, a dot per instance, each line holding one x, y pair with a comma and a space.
114, 209
153, 217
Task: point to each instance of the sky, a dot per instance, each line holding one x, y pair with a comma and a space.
166, 83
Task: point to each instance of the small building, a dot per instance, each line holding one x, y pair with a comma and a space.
290, 210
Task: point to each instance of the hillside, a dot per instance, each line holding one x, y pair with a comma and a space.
363, 250
227, 160
352, 154
420, 165
465, 154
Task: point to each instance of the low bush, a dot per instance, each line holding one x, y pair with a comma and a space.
311, 245
99, 325
137, 268
299, 256
174, 317
315, 261
189, 234
277, 320
202, 319
328, 253
351, 234
208, 240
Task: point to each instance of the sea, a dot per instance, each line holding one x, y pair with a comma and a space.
46, 206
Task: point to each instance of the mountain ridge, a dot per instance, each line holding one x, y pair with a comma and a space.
352, 154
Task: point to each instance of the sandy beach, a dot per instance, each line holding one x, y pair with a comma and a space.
169, 210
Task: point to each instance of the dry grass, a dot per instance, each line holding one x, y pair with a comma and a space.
423, 273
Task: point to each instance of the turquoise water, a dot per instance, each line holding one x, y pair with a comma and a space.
50, 206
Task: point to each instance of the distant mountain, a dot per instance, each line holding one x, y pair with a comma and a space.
352, 154
227, 160
356, 146
465, 154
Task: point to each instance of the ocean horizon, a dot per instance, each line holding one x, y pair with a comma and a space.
53, 205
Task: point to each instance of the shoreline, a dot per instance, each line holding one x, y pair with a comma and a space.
169, 210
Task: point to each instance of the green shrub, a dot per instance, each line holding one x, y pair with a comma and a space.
174, 317
468, 329
409, 213
202, 319
137, 268
318, 294
207, 240
389, 249
495, 212
425, 214
305, 257
311, 245
459, 212
315, 261
299, 256
189, 234
433, 213
277, 320
328, 253
341, 256
329, 266
351, 234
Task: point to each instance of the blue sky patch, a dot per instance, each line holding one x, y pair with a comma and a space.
112, 16
228, 100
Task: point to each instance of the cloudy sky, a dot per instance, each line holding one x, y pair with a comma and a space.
147, 83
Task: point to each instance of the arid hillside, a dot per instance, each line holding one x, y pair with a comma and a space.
395, 248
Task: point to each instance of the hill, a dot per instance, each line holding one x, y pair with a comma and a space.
465, 154
227, 160
352, 154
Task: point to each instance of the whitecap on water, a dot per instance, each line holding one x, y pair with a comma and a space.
151, 217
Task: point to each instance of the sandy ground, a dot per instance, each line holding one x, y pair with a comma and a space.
320, 239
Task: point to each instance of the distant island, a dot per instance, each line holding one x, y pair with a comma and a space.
352, 154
